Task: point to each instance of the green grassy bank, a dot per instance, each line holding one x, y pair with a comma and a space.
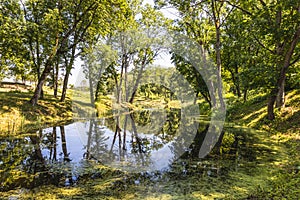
276, 177
18, 116
283, 131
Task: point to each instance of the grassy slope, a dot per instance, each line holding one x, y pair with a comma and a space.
17, 115
284, 131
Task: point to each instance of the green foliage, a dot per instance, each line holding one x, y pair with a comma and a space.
13, 52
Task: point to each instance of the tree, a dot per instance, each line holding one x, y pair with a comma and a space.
67, 24
202, 21
13, 52
151, 24
275, 27
136, 43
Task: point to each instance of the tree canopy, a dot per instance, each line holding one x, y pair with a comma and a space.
254, 45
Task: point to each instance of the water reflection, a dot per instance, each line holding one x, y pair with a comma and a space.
140, 141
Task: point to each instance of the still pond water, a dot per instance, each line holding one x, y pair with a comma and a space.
148, 141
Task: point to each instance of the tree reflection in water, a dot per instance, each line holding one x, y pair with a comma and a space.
136, 141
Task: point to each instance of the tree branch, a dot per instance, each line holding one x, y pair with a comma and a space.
238, 7
262, 45
295, 60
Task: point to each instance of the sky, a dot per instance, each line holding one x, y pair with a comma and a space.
164, 59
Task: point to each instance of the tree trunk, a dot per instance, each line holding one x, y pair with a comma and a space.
91, 89
68, 72
55, 79
236, 80
282, 76
41, 81
219, 75
212, 95
119, 88
124, 136
125, 83
245, 94
38, 62
48, 67
64, 144
280, 99
54, 144
139, 76
216, 19
272, 98
97, 93
65, 85
87, 155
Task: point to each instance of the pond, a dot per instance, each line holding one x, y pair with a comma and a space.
149, 143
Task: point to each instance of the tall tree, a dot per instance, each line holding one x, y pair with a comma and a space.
202, 21
66, 25
13, 51
275, 27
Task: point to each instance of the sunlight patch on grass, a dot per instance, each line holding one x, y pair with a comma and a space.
174, 104
70, 191
102, 185
210, 197
262, 110
161, 197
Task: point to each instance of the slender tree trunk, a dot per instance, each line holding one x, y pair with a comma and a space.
138, 79
68, 72
245, 94
219, 75
124, 136
65, 85
38, 62
55, 78
119, 88
271, 102
118, 130
216, 18
125, 84
87, 155
236, 80
238, 89
219, 143
137, 138
91, 88
97, 93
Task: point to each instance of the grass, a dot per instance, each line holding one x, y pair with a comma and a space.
17, 115
275, 174
284, 131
